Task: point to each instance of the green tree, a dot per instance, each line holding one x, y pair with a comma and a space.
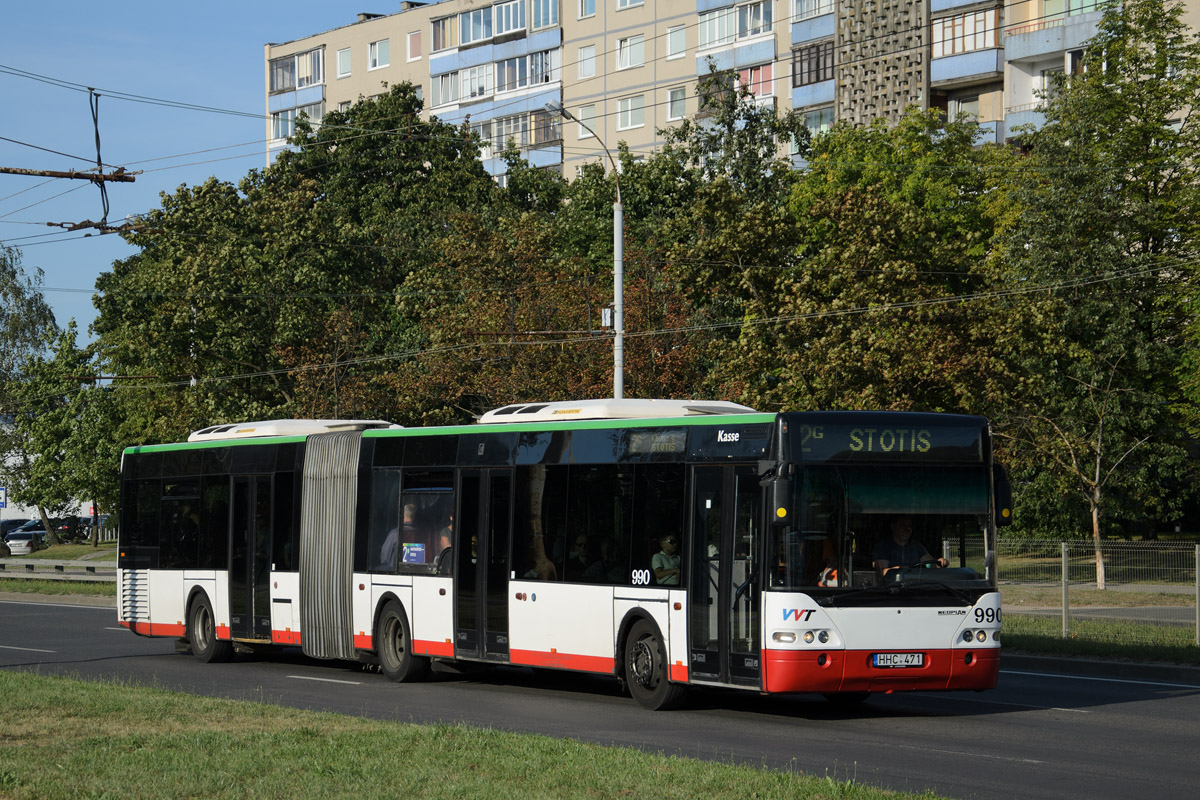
1104, 217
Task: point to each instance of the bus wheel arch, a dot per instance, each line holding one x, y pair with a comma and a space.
393, 644
645, 670
202, 630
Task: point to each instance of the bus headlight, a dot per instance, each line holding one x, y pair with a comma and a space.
808, 637
981, 636
968, 636
784, 637
823, 637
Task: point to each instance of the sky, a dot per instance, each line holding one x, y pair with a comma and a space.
207, 54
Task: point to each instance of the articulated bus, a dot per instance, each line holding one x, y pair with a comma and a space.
670, 544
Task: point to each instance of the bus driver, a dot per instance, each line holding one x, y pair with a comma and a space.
899, 550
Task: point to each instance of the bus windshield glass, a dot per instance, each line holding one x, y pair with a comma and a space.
865, 525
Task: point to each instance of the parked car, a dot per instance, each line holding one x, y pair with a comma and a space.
9, 525
22, 543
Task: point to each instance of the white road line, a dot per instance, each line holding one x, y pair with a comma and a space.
122, 630
109, 609
1100, 680
1002, 703
965, 753
324, 680
26, 649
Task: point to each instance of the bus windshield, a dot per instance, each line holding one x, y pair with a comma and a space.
863, 525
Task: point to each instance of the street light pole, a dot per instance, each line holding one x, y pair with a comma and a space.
618, 259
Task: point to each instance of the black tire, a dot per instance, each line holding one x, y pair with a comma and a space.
846, 698
202, 633
393, 645
646, 669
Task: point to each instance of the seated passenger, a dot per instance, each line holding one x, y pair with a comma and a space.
665, 562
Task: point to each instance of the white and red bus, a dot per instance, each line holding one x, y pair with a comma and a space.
670, 544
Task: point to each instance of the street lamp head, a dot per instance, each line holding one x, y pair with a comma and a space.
555, 107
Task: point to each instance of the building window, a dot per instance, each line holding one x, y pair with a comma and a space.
344, 106
676, 41
512, 73
631, 112
676, 104
547, 127
819, 120
964, 106
378, 54
631, 52
414, 45
545, 13
510, 16
343, 63
717, 27
475, 26
812, 64
514, 129
754, 18
545, 66
298, 71
443, 33
586, 116
476, 81
443, 89
760, 81
963, 33
587, 61
484, 131
812, 8
283, 124
587, 8
628, 3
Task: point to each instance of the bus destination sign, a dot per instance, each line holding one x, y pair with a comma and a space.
889, 438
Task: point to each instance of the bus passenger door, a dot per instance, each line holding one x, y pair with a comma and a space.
481, 564
726, 542
249, 562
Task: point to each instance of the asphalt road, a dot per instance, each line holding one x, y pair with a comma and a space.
1036, 736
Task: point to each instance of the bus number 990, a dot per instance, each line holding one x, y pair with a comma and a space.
987, 615
640, 577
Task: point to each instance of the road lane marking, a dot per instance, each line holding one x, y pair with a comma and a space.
26, 649
966, 753
1100, 680
109, 609
122, 630
324, 680
1015, 705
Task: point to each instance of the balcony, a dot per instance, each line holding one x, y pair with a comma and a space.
1034, 40
964, 69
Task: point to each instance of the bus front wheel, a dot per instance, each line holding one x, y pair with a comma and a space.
202, 633
394, 647
646, 669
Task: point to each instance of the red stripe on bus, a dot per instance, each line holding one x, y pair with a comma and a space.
852, 671
156, 628
285, 637
363, 642
679, 673
536, 658
223, 632
432, 648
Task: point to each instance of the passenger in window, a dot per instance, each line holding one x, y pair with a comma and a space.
412, 538
446, 534
578, 559
899, 550
610, 567
665, 562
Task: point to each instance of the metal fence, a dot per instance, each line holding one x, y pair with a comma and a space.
1131, 592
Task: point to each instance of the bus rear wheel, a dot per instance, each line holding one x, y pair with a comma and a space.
646, 669
394, 647
202, 633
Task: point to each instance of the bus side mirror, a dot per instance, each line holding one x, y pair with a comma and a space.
1002, 492
779, 492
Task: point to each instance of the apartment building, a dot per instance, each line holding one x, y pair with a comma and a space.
628, 68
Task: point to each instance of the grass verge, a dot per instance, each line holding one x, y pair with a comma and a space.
1121, 640
70, 739
57, 587
106, 551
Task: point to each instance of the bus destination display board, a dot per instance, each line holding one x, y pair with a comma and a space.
885, 437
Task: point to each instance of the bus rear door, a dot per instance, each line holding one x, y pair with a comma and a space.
723, 594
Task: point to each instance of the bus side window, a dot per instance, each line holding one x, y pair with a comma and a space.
658, 510
541, 504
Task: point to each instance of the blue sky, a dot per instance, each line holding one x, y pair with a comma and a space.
207, 54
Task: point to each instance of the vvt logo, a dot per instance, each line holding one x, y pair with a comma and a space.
798, 614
